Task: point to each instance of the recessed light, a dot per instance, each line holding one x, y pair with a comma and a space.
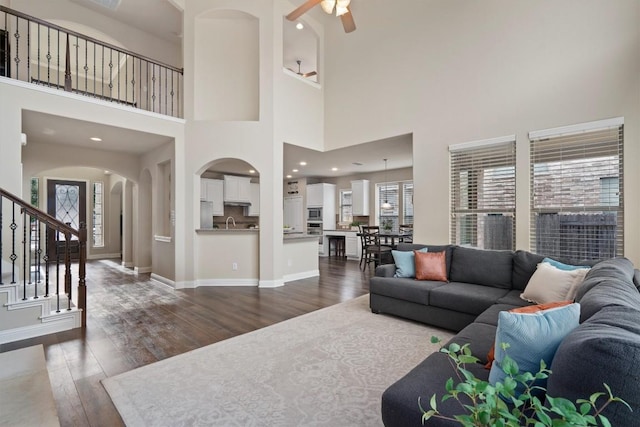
334, 169
289, 176
299, 25
252, 171
303, 163
294, 170
95, 139
106, 172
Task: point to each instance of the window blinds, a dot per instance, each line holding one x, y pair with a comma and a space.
483, 194
577, 203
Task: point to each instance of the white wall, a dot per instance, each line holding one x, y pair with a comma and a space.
452, 71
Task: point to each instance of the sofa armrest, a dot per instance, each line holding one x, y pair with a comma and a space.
385, 270
636, 278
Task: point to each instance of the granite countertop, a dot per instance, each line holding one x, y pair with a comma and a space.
225, 231
344, 230
298, 236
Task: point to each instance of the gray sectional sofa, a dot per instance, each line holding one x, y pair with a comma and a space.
604, 348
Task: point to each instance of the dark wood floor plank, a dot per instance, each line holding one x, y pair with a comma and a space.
133, 321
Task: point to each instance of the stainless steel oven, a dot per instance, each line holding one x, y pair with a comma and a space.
315, 228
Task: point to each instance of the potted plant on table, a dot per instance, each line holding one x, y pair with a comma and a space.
387, 224
355, 225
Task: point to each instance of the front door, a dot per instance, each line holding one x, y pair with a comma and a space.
66, 201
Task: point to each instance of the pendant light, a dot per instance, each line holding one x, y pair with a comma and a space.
386, 204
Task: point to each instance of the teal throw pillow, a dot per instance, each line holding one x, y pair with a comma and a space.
405, 263
562, 266
532, 337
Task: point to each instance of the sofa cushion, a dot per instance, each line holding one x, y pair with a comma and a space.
532, 337
604, 349
524, 265
482, 267
431, 266
403, 288
405, 263
513, 298
490, 315
430, 248
465, 297
607, 284
400, 401
480, 338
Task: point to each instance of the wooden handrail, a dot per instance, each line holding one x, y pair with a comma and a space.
40, 215
88, 38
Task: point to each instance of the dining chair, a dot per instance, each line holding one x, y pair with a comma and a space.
406, 231
372, 249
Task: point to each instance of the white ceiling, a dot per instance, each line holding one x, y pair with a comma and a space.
50, 129
157, 17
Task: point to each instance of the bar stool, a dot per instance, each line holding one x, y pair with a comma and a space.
338, 244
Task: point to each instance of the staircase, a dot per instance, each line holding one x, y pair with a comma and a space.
36, 272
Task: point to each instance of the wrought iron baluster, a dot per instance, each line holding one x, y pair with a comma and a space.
38, 53
25, 273
46, 260
102, 75
94, 69
28, 50
126, 78
67, 68
153, 84
172, 91
17, 58
111, 74
166, 80
48, 56
119, 98
86, 65
13, 256
57, 242
58, 58
133, 83
27, 254
36, 273
77, 46
67, 267
38, 251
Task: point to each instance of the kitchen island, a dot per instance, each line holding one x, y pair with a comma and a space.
300, 256
353, 247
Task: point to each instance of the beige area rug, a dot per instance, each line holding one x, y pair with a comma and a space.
325, 368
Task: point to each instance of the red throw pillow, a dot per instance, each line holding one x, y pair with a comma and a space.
526, 309
431, 266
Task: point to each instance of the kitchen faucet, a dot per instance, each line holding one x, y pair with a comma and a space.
232, 220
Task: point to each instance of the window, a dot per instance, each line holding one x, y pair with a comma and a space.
98, 226
577, 191
346, 206
407, 203
388, 218
483, 193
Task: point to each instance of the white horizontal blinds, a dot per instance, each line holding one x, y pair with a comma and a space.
577, 203
483, 195
407, 203
389, 193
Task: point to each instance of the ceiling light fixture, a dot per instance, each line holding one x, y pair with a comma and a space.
303, 163
252, 171
95, 139
334, 169
386, 205
289, 176
294, 170
341, 6
299, 26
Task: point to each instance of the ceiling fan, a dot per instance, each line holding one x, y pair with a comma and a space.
341, 7
300, 73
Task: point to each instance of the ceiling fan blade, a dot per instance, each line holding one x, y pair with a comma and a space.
310, 74
347, 21
302, 9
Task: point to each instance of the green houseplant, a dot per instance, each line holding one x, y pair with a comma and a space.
488, 405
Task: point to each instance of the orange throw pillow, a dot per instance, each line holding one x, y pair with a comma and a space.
526, 309
431, 266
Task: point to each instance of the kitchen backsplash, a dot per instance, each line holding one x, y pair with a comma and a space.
237, 212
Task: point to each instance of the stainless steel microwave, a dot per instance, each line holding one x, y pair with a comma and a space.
314, 214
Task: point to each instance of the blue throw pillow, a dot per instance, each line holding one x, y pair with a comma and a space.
532, 337
405, 263
562, 266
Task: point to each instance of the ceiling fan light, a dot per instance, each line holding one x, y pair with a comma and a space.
343, 3
328, 5
341, 10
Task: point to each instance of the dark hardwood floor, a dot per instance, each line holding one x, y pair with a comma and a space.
132, 322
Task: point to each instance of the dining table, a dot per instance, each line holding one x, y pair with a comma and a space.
389, 237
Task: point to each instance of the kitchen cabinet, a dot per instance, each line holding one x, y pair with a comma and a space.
237, 189
211, 190
254, 196
360, 197
294, 213
314, 195
352, 245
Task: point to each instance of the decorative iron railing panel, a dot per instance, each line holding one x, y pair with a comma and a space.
46, 54
36, 253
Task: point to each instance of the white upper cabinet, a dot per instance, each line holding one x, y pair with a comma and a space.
254, 209
237, 189
211, 190
315, 195
360, 197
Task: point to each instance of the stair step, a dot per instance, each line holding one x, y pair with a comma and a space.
26, 398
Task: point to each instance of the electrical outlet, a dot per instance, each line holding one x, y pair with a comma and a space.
234, 266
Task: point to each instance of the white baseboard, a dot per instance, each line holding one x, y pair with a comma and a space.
127, 264
271, 283
140, 270
301, 275
104, 256
226, 282
163, 280
186, 284
63, 321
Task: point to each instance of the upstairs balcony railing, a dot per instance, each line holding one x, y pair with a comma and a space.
42, 53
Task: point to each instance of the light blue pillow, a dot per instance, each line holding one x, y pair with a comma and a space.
405, 263
532, 337
562, 266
